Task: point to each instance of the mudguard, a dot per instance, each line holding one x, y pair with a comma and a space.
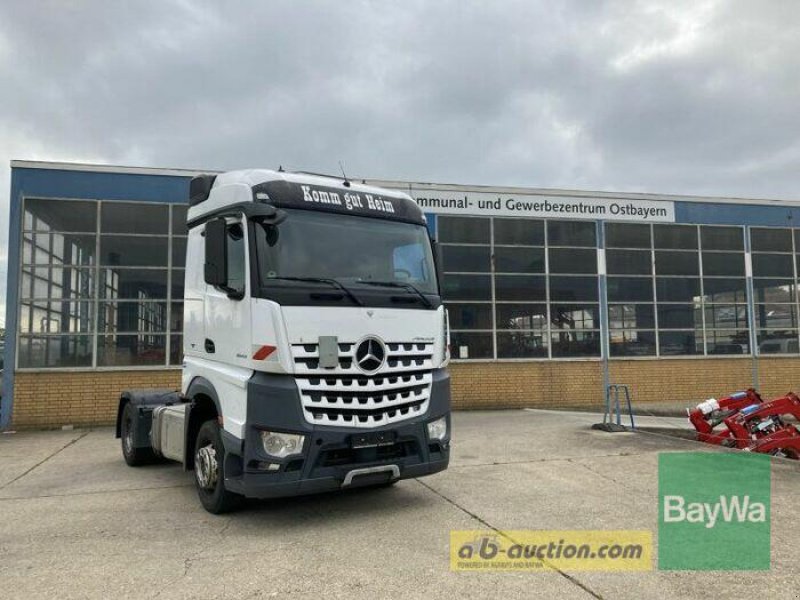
144, 401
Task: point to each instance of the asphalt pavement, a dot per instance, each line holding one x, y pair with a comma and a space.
78, 523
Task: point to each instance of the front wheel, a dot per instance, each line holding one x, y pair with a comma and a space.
209, 471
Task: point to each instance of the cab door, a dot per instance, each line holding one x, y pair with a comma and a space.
227, 306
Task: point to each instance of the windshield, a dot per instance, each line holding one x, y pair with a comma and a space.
351, 250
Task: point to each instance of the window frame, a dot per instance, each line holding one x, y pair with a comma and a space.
94, 299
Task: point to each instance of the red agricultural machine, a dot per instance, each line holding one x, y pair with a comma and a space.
750, 423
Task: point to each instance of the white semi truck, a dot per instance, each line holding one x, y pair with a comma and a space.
315, 343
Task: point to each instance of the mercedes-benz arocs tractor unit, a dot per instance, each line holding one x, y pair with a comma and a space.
315, 343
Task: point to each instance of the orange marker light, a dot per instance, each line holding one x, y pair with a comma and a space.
264, 352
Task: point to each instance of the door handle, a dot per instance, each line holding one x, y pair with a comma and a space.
209, 345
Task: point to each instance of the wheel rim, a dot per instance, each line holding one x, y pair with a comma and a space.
205, 467
127, 436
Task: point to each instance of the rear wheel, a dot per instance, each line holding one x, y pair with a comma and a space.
133, 456
209, 471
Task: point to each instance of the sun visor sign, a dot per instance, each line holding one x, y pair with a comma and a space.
287, 194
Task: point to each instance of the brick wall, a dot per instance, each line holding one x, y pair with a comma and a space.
776, 376
90, 398
682, 381
79, 398
545, 384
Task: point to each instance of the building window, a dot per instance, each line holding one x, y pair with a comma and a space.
520, 288
101, 284
676, 290
631, 308
774, 290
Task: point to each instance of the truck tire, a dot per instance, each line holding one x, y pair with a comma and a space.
209, 471
135, 457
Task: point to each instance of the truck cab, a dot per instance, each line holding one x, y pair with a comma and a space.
315, 343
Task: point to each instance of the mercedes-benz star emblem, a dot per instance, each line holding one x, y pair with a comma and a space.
370, 355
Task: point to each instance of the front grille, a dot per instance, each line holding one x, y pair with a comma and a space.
345, 396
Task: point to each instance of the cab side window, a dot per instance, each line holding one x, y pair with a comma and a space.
235, 255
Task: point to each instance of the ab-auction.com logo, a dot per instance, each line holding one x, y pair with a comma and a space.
714, 511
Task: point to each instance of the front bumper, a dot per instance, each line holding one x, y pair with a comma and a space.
329, 460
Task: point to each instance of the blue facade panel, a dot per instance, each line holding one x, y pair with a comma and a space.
709, 213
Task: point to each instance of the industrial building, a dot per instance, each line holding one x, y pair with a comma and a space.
552, 294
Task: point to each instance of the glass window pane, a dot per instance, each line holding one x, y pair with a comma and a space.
521, 344
576, 343
627, 235
777, 342
722, 238
464, 345
175, 349
574, 316
770, 239
520, 287
628, 262
675, 237
725, 290
521, 316
579, 289
525, 232
132, 251
631, 316
178, 279
773, 290
773, 265
134, 217
678, 289
470, 316
519, 260
726, 316
467, 230
727, 342
176, 317
178, 252
475, 259
776, 316
627, 342
630, 289
466, 287
131, 350
134, 284
678, 316
723, 263
56, 283
179, 214
571, 233
568, 260
60, 215
676, 343
55, 317
57, 249
131, 316
53, 351
677, 263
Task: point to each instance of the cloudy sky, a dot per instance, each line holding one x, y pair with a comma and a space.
696, 97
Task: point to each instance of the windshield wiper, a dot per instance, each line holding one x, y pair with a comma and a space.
334, 282
396, 284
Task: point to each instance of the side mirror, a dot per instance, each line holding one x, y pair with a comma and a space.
215, 269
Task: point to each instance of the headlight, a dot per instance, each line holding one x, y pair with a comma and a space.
281, 445
437, 430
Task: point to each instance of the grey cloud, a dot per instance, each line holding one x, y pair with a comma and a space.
684, 97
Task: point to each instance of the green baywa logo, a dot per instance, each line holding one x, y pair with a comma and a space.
729, 508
